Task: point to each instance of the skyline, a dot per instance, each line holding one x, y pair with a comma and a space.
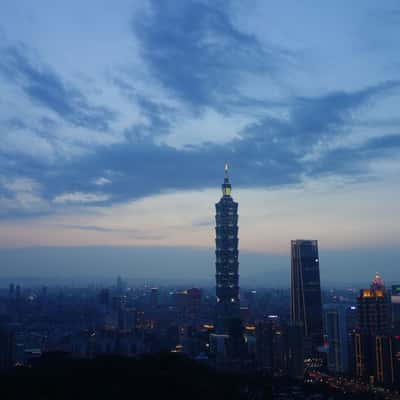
115, 129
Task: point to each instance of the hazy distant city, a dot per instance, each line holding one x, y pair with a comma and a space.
301, 339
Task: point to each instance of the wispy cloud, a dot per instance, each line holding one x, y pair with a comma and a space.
270, 152
130, 233
101, 181
197, 52
79, 197
21, 196
43, 86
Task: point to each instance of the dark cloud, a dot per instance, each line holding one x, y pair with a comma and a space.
269, 153
45, 87
314, 119
196, 51
353, 161
159, 116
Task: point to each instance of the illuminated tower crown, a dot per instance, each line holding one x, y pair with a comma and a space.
377, 283
226, 186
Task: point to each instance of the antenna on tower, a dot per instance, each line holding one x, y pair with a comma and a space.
226, 168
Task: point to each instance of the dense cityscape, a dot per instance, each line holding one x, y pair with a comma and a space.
347, 340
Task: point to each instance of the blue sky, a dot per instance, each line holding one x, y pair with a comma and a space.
116, 121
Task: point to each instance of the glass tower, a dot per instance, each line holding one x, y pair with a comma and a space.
306, 304
227, 258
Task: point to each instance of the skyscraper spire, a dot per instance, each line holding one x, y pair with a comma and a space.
377, 282
226, 186
226, 169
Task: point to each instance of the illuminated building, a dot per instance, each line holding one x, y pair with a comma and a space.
306, 305
373, 308
373, 344
227, 259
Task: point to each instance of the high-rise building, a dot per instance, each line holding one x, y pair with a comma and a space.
265, 345
373, 308
227, 258
306, 306
337, 329
395, 300
373, 344
295, 350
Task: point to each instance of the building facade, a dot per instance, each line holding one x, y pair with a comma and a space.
373, 342
306, 306
227, 259
395, 300
337, 330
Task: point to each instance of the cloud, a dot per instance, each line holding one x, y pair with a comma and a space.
44, 87
194, 49
79, 197
95, 228
129, 233
354, 161
271, 152
101, 181
200, 57
156, 113
21, 196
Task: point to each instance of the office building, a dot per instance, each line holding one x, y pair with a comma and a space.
306, 305
373, 343
337, 330
264, 345
295, 350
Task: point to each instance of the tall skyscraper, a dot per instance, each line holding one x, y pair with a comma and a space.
306, 305
373, 308
373, 344
227, 259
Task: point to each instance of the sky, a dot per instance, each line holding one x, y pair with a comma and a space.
116, 120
